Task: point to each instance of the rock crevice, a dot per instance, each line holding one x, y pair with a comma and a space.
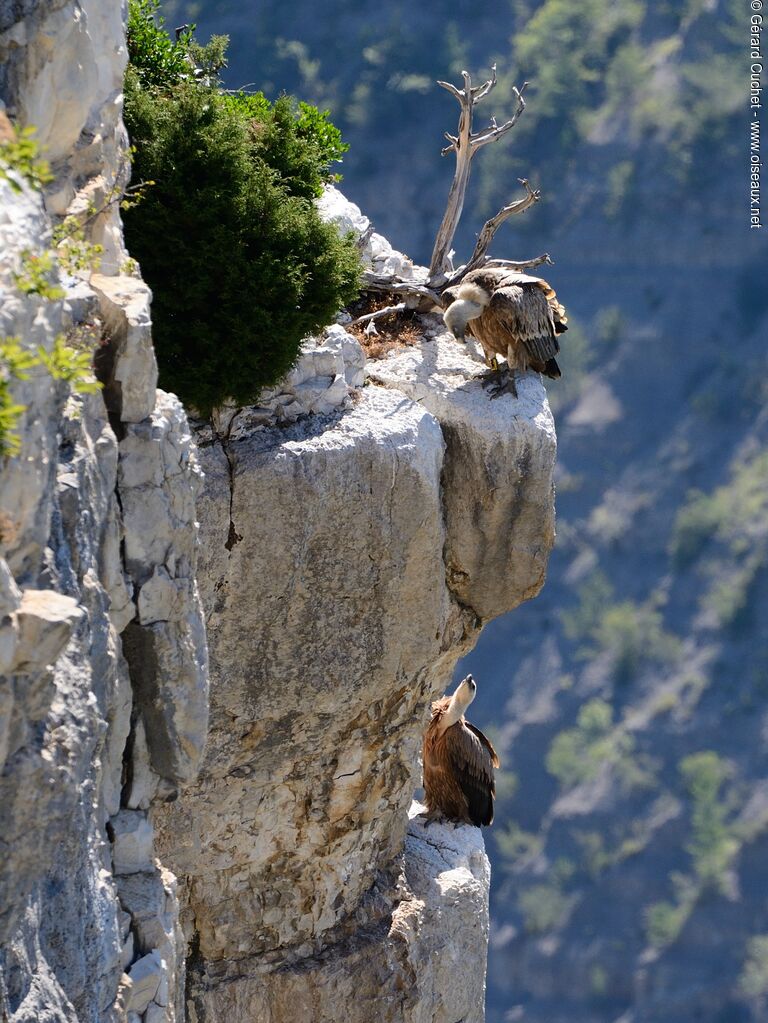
97, 545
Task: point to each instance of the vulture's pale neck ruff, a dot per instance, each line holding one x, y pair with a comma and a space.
470, 301
460, 700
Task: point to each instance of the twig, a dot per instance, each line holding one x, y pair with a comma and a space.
522, 264
389, 310
484, 239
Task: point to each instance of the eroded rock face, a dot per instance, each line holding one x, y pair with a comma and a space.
85, 908
498, 472
416, 965
348, 561
329, 622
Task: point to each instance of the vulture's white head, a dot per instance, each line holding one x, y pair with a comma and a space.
461, 699
469, 303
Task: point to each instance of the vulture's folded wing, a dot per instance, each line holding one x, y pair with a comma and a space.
522, 313
486, 742
472, 758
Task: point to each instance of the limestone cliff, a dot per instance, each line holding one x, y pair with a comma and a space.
347, 561
355, 535
104, 687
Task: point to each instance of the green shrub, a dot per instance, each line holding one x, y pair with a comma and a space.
240, 263
577, 754
696, 523
15, 364
713, 844
63, 362
633, 635
753, 981
544, 907
19, 160
515, 845
155, 57
595, 597
664, 921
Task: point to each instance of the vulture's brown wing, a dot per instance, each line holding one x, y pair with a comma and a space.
472, 759
522, 311
486, 742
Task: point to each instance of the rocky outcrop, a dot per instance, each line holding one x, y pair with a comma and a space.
422, 964
348, 561
497, 475
355, 539
103, 684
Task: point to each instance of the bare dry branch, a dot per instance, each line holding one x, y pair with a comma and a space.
482, 90
465, 144
389, 310
453, 90
522, 264
484, 239
495, 131
396, 285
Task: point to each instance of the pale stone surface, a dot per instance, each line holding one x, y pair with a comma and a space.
377, 253
127, 365
301, 803
423, 964
330, 368
131, 843
158, 478
66, 592
27, 481
322, 574
498, 475
151, 900
448, 876
145, 977
336, 209
143, 781
45, 621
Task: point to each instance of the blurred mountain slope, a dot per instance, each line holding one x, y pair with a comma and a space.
630, 700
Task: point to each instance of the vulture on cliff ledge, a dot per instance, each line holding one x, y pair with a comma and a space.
458, 762
512, 315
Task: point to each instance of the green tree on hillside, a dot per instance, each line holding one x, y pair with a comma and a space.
228, 237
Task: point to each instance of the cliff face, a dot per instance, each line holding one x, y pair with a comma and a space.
347, 561
103, 691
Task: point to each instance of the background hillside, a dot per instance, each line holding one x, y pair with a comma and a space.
631, 698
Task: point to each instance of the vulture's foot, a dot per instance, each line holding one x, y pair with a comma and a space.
491, 376
500, 382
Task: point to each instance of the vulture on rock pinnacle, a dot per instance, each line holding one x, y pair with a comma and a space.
458, 762
512, 315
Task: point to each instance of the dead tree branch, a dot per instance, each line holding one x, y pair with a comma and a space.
465, 144
484, 239
389, 310
522, 264
391, 283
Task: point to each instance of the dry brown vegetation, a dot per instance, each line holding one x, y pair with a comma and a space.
400, 330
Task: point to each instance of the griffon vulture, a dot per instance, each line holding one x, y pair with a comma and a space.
512, 315
458, 762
